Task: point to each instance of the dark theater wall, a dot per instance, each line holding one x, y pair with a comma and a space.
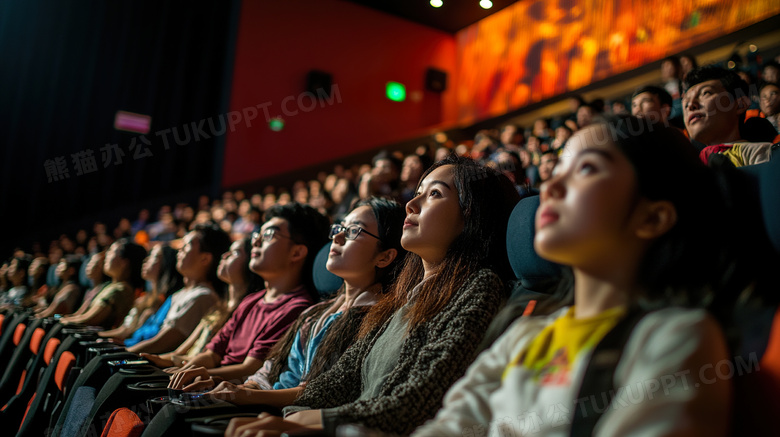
67, 68
280, 42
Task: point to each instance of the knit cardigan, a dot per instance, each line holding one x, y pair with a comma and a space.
434, 355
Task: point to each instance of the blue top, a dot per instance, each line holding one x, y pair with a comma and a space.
301, 355
151, 326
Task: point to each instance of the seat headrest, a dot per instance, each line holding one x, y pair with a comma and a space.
767, 176
325, 282
530, 269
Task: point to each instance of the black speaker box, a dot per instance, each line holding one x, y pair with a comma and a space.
435, 80
319, 83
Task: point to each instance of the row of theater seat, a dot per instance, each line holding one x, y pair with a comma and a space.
55, 379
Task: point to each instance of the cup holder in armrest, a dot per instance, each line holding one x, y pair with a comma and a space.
158, 385
138, 370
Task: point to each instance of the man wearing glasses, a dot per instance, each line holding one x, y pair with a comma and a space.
283, 254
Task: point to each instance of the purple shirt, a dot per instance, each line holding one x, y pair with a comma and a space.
256, 326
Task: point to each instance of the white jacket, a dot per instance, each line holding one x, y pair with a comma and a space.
673, 379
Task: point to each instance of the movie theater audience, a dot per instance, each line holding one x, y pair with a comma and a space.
225, 301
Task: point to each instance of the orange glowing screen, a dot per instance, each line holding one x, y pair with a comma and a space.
534, 50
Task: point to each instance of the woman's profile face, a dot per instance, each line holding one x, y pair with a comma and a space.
150, 269
412, 169
356, 258
233, 263
15, 274
62, 269
586, 205
433, 217
112, 265
686, 64
95, 265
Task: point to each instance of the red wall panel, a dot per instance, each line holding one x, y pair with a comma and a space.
279, 42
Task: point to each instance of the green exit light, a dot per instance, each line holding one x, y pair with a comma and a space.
276, 124
395, 91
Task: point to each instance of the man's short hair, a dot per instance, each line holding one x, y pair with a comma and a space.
766, 84
306, 226
215, 241
770, 64
663, 96
730, 80
386, 155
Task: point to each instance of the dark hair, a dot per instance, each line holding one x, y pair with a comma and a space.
684, 265
578, 98
597, 104
425, 161
73, 262
770, 64
135, 254
675, 61
385, 155
758, 130
734, 85
22, 263
40, 280
170, 279
389, 216
663, 96
766, 84
256, 210
486, 199
694, 62
215, 241
341, 334
681, 257
308, 227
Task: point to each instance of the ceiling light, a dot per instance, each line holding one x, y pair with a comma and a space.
436, 3
486, 4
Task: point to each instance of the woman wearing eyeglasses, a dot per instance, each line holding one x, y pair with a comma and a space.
365, 251
421, 337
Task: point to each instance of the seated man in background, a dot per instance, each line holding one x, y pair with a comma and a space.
653, 103
769, 99
283, 255
197, 261
546, 165
714, 105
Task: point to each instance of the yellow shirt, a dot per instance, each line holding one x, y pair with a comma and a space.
551, 355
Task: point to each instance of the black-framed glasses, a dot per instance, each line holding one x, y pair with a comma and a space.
268, 235
350, 232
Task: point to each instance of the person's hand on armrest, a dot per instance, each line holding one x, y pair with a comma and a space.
196, 379
273, 425
245, 394
158, 360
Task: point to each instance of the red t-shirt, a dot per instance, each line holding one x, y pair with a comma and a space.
256, 326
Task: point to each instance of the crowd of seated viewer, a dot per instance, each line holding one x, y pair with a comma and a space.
220, 293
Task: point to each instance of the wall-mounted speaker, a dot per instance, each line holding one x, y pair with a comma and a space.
319, 83
435, 80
